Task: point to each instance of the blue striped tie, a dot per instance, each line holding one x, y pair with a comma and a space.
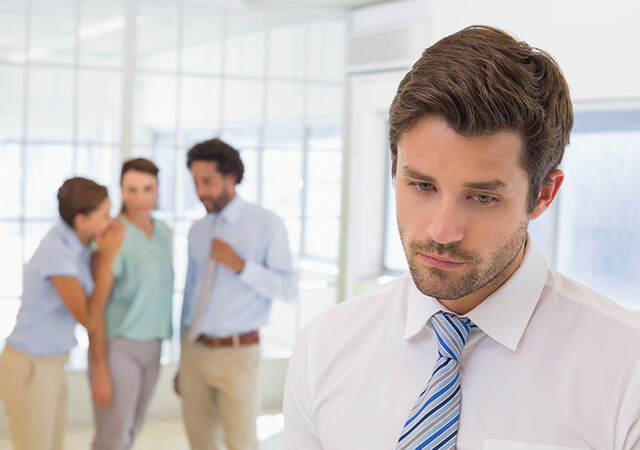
433, 422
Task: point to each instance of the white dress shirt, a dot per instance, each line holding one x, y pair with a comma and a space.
552, 365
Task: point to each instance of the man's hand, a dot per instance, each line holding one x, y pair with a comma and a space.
222, 253
101, 388
176, 384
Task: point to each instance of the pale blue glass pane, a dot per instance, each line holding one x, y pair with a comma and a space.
286, 51
12, 27
165, 159
101, 163
282, 182
599, 216
10, 261
327, 136
8, 312
199, 107
325, 104
285, 102
241, 138
11, 105
242, 103
154, 115
326, 53
34, 233
202, 40
50, 104
248, 189
284, 137
325, 167
101, 32
10, 180
47, 167
99, 106
157, 38
323, 200
52, 31
244, 53
322, 238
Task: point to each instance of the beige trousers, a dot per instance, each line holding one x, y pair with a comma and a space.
219, 390
34, 392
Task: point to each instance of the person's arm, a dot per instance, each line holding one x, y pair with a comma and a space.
88, 312
273, 279
101, 387
189, 288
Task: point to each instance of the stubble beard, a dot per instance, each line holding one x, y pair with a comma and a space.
446, 284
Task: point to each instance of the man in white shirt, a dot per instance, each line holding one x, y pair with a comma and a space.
482, 346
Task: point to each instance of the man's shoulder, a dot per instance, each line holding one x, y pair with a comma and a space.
591, 304
199, 224
255, 212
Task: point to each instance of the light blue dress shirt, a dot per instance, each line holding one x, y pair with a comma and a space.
239, 303
44, 325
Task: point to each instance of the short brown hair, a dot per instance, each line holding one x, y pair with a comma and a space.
139, 165
79, 196
481, 81
216, 150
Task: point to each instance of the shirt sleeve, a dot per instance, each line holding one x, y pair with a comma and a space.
628, 427
275, 278
189, 286
58, 261
299, 428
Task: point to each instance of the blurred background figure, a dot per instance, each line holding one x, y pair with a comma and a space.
59, 291
137, 316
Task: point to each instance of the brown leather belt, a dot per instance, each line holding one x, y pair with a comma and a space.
250, 338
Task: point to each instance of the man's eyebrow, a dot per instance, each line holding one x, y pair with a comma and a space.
493, 185
411, 173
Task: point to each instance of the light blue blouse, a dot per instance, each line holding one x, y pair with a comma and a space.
44, 325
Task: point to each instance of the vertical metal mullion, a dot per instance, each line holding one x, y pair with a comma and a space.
343, 259
178, 121
75, 92
25, 127
305, 145
128, 78
223, 70
263, 118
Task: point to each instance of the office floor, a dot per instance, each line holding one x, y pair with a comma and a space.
170, 435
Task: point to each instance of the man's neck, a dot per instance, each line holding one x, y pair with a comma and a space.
463, 305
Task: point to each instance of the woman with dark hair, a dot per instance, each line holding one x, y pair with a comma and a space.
137, 315
58, 291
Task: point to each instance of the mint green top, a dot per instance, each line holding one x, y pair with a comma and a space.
139, 307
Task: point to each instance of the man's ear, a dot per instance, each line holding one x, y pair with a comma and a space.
547, 193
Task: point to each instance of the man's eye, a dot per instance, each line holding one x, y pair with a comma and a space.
484, 199
422, 186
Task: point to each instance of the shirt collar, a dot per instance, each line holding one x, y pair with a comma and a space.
70, 238
504, 315
231, 212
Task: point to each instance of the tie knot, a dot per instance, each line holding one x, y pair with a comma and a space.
452, 332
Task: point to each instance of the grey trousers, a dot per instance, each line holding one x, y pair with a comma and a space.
134, 368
